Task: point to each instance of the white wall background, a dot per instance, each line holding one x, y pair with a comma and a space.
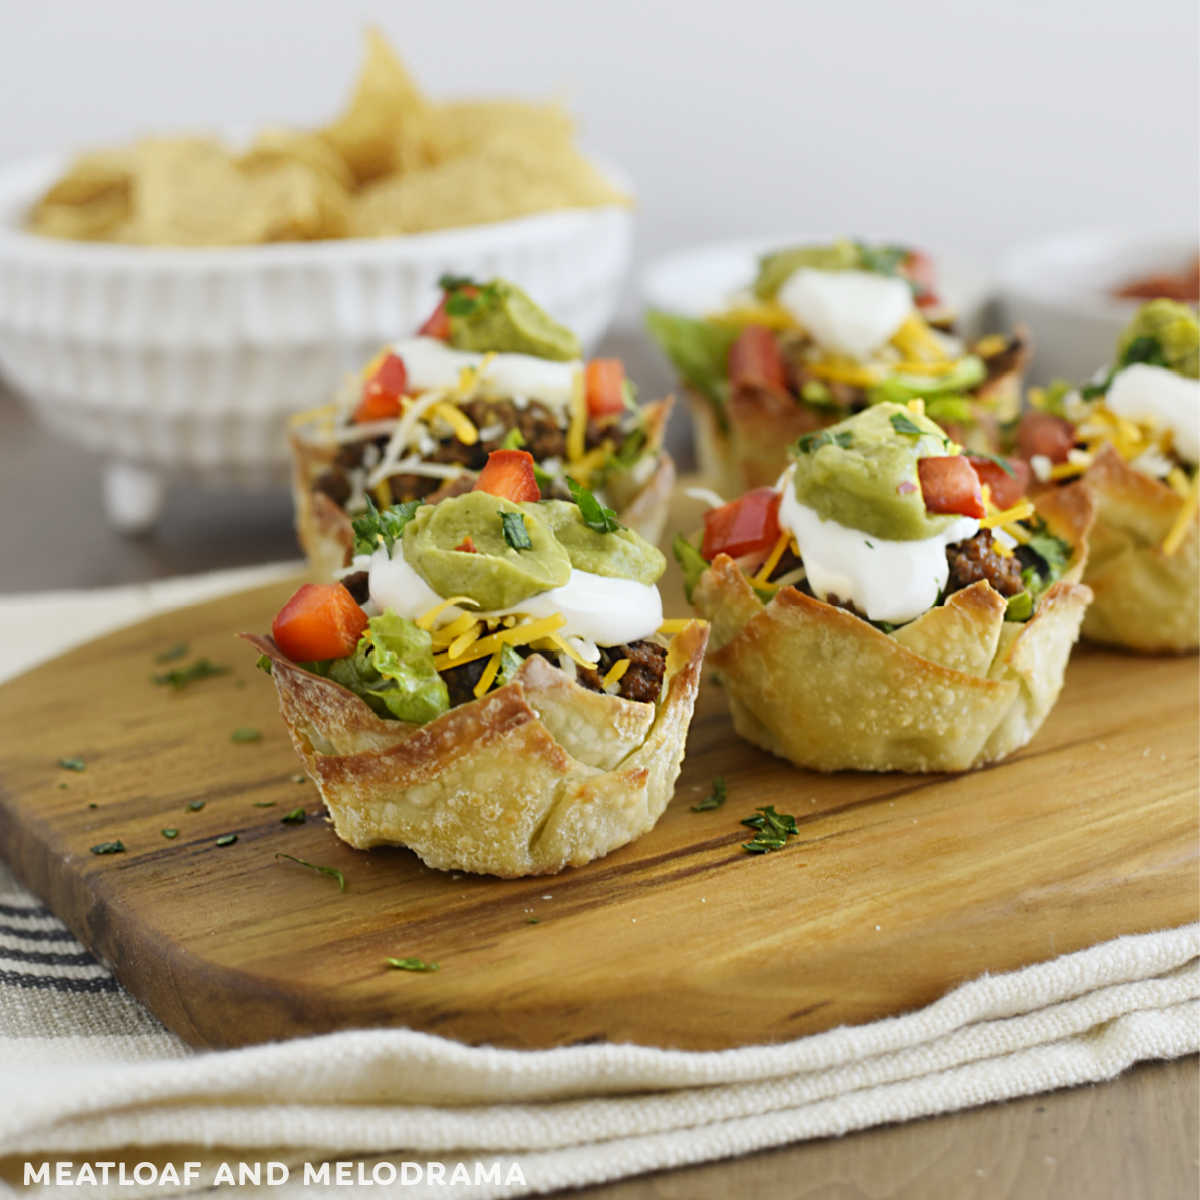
959, 125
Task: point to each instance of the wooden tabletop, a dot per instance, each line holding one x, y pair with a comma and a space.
1133, 1137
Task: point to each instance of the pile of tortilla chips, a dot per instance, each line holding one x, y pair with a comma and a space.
394, 162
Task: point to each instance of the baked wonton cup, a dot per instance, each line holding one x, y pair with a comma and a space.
538, 775
1144, 598
640, 499
954, 689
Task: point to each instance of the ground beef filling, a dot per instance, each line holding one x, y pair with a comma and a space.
974, 560
642, 679
538, 425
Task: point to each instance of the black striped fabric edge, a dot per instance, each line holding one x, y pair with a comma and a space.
52, 983
51, 958
39, 935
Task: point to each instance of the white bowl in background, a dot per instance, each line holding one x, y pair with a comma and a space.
185, 363
1061, 287
702, 278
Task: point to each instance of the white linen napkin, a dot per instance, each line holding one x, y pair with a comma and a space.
99, 1079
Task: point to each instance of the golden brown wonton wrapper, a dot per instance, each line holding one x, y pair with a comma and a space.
327, 539
539, 775
1145, 600
956, 688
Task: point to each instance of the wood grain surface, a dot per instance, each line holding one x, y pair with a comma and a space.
896, 889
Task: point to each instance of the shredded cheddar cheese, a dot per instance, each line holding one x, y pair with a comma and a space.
772, 560
383, 493
1183, 519
577, 427
582, 469
489, 674
769, 313
426, 619
839, 370
991, 345
916, 341
326, 411
615, 673
369, 370
458, 421
675, 624
564, 647
518, 635
1020, 511
1001, 549
1067, 470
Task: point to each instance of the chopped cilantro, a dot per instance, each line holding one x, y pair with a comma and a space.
811, 442
227, 839
774, 829
532, 921
715, 798
72, 764
93, 804
1002, 463
1144, 349
514, 439
297, 779
595, 515
882, 260
412, 964
264, 663
515, 533
451, 283
117, 847
179, 650
264, 804
196, 805
902, 423
180, 677
170, 833
332, 872
382, 525
246, 734
295, 817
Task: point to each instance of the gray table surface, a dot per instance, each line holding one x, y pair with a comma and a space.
1132, 1138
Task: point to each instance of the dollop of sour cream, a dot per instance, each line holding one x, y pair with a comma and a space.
1143, 392
848, 312
430, 364
886, 580
597, 608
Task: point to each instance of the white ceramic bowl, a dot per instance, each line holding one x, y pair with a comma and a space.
186, 363
701, 279
1061, 287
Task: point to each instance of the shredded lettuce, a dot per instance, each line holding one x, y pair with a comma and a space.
699, 350
691, 562
392, 670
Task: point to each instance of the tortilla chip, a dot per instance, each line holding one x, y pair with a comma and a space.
385, 98
277, 145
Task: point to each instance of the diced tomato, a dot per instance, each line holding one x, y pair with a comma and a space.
949, 485
603, 385
1005, 489
1044, 433
509, 474
466, 546
742, 526
437, 324
755, 360
918, 267
382, 393
320, 621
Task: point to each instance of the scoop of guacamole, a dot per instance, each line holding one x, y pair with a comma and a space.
500, 317
621, 554
1164, 333
862, 473
776, 268
499, 571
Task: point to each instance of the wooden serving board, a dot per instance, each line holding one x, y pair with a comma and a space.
897, 888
